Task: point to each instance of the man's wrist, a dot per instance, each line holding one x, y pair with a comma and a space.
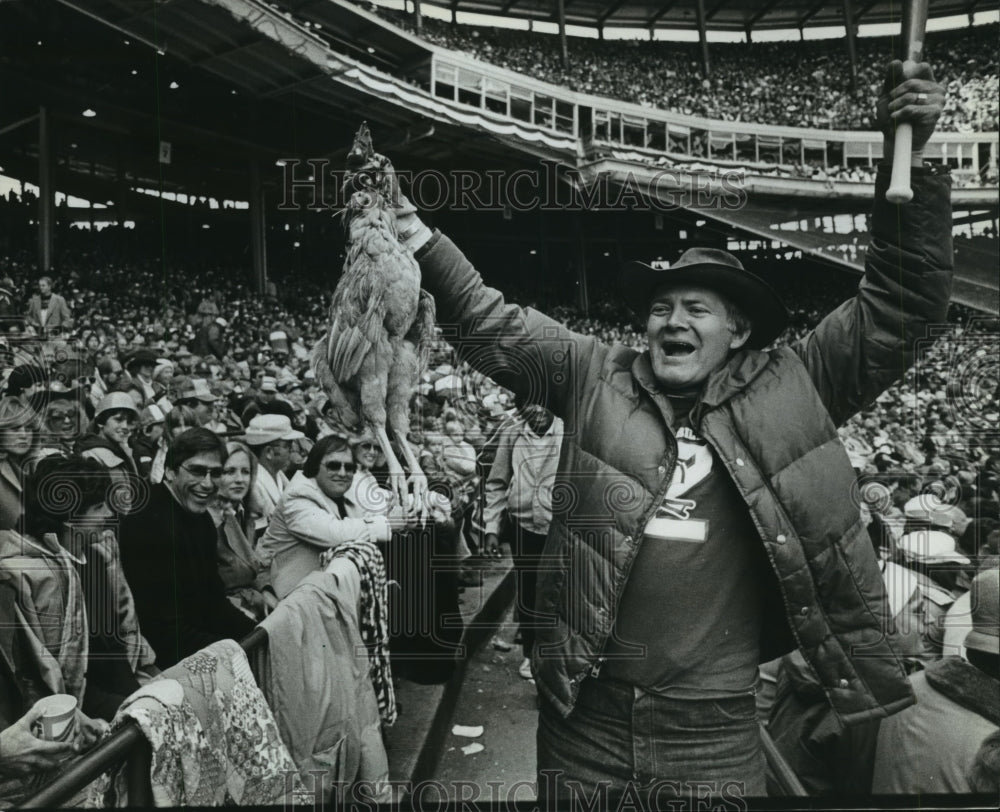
412, 232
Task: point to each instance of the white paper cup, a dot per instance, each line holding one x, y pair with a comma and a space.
58, 718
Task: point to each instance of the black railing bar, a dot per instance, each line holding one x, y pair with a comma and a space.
254, 640
783, 773
86, 768
116, 748
138, 767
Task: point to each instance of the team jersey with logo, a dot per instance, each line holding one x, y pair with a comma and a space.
688, 624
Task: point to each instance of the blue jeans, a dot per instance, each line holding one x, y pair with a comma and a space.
645, 749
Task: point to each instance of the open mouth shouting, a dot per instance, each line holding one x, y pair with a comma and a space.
675, 348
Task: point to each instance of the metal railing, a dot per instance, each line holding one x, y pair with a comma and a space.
779, 769
126, 744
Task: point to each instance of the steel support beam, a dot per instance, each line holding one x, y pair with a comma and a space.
563, 45
861, 12
849, 26
816, 9
757, 15
258, 231
46, 193
664, 10
703, 39
608, 12
16, 124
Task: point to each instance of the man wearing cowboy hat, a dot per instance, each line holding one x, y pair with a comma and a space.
209, 339
702, 513
270, 437
140, 366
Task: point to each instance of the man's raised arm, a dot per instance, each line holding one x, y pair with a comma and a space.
520, 348
865, 345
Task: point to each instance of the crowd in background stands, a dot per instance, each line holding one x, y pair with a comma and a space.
798, 84
119, 309
140, 357
811, 171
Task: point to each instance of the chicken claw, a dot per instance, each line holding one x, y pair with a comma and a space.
418, 481
397, 481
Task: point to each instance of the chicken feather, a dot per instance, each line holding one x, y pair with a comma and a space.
381, 321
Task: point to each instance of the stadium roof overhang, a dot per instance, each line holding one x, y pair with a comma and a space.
224, 82
720, 15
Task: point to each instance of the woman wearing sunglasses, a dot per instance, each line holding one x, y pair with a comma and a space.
314, 515
421, 561
369, 489
63, 420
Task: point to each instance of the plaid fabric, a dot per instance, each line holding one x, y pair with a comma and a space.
373, 613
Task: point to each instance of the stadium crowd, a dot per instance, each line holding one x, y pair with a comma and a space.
748, 82
116, 371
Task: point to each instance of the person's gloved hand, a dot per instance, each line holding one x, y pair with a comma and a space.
910, 95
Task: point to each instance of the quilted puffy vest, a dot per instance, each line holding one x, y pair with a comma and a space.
770, 417
779, 445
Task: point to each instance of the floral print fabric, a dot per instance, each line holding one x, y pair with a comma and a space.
219, 746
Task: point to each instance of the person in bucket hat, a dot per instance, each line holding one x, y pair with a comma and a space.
109, 443
705, 522
270, 437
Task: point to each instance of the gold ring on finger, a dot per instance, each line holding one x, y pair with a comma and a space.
921, 98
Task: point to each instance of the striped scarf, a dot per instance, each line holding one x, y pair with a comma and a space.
373, 611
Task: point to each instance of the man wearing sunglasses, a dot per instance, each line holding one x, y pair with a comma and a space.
314, 515
168, 554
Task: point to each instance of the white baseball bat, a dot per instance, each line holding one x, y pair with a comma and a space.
913, 28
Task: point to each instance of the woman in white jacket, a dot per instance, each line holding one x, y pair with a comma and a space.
315, 514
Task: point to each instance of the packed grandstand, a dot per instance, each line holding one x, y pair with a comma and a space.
167, 313
748, 82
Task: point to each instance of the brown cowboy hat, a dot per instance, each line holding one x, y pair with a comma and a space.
716, 270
